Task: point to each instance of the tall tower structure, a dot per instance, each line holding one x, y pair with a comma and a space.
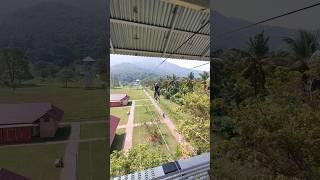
88, 63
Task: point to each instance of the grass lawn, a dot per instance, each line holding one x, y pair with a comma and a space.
118, 140
78, 104
143, 102
143, 114
121, 113
171, 109
96, 130
133, 93
35, 162
92, 160
141, 135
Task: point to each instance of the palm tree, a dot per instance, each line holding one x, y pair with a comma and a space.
302, 47
191, 76
257, 51
204, 77
190, 79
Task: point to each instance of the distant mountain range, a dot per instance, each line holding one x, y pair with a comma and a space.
149, 67
58, 32
222, 40
62, 31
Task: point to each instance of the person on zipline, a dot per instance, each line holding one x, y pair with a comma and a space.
156, 90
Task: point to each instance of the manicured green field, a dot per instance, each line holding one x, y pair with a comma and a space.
145, 114
121, 113
96, 130
141, 135
133, 93
92, 160
78, 104
118, 140
143, 102
35, 162
171, 110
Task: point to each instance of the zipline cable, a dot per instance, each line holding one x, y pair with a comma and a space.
161, 134
271, 18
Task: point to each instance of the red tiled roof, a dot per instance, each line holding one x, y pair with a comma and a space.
114, 121
8, 175
27, 113
118, 97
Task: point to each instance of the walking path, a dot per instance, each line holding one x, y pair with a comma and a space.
69, 171
129, 128
166, 120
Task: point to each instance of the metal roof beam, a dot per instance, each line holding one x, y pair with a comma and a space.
174, 20
111, 46
199, 5
205, 52
158, 54
161, 28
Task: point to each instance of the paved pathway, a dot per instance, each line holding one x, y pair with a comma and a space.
129, 129
179, 137
69, 171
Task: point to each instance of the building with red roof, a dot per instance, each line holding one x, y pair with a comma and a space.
114, 122
20, 122
117, 100
8, 175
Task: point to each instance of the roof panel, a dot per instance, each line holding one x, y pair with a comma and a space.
142, 27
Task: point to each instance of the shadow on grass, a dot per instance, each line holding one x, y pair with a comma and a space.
129, 103
118, 142
62, 134
95, 88
18, 86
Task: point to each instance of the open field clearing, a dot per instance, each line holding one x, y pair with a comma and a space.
92, 160
35, 162
78, 104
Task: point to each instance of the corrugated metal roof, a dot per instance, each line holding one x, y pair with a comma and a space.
114, 121
118, 97
142, 28
8, 175
27, 113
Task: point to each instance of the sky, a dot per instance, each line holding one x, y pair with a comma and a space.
256, 10
118, 59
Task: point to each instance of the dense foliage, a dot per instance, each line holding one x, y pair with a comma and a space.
192, 96
138, 158
13, 67
267, 108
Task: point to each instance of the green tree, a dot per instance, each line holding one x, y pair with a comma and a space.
204, 78
137, 158
15, 67
190, 80
257, 50
302, 47
66, 75
196, 129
